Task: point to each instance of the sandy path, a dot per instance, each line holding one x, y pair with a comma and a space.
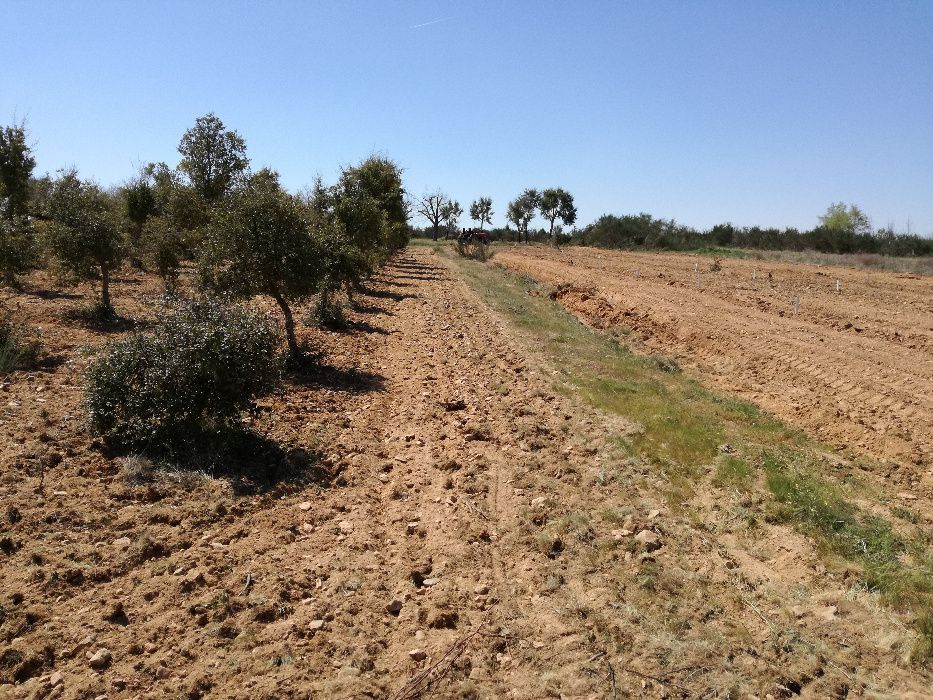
854, 368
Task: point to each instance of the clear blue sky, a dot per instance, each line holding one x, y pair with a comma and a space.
749, 112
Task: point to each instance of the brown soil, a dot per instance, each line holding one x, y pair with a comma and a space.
854, 367
453, 514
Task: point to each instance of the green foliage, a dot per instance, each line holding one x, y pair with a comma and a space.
450, 215
139, 203
260, 243
481, 210
370, 202
342, 266
356, 225
18, 250
522, 210
18, 349
16, 166
162, 246
213, 158
646, 232
847, 219
174, 388
556, 203
84, 235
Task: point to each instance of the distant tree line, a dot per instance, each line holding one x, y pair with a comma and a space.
552, 204
843, 229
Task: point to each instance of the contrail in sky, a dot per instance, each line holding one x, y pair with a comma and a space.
433, 21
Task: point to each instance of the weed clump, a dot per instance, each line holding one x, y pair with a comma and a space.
185, 383
478, 250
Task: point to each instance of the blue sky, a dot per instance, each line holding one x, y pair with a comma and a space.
750, 112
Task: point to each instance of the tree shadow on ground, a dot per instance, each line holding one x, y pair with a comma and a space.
50, 294
424, 278
260, 464
386, 294
369, 309
366, 327
49, 363
314, 373
394, 283
250, 462
94, 319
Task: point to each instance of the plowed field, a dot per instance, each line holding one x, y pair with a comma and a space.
852, 365
445, 524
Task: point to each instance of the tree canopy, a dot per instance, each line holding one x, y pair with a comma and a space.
84, 235
481, 210
846, 218
556, 203
259, 242
16, 166
213, 157
521, 211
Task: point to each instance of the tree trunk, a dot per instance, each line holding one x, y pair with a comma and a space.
293, 350
105, 287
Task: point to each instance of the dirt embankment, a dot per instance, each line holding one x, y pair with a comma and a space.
853, 367
460, 530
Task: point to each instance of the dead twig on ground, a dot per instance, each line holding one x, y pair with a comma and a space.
612, 680
423, 680
656, 679
472, 506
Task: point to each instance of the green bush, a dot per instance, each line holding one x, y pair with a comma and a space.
17, 349
178, 387
18, 251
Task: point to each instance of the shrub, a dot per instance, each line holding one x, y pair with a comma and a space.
18, 350
163, 246
17, 249
475, 251
179, 386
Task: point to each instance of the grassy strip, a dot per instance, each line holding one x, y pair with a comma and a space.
684, 426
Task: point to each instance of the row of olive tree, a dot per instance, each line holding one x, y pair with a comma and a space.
247, 234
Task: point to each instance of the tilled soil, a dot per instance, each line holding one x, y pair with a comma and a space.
853, 367
444, 529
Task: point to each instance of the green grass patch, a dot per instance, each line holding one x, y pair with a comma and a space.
734, 472
682, 425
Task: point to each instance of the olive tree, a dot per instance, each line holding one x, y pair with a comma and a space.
259, 243
84, 234
139, 203
379, 179
481, 210
213, 157
556, 203
522, 210
16, 166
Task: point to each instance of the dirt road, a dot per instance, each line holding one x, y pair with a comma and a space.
853, 367
458, 538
